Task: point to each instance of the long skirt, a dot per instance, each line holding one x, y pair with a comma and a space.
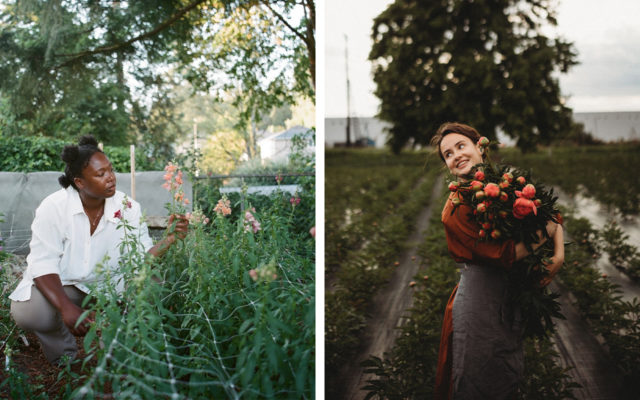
481, 354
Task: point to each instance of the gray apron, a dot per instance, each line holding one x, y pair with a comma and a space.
488, 359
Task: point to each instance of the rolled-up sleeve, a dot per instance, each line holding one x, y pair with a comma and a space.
47, 242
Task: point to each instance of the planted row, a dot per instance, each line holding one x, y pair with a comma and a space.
363, 270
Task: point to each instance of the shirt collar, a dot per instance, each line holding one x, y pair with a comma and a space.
111, 205
75, 204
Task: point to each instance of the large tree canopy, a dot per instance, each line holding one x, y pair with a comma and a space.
483, 62
107, 67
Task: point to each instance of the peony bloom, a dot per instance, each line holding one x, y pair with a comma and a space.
476, 185
479, 175
529, 191
492, 190
523, 207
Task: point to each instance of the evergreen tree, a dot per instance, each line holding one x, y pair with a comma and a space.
484, 62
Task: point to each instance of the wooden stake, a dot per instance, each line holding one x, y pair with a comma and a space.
133, 171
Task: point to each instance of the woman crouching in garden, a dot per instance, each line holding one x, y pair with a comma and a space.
481, 354
74, 230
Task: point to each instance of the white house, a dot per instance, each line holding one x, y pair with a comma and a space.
278, 146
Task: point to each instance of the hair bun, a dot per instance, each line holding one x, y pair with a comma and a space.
69, 154
88, 140
64, 181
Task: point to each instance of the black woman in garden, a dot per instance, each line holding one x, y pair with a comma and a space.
481, 354
73, 231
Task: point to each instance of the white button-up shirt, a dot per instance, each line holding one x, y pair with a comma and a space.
62, 243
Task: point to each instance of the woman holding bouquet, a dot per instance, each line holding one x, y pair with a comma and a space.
481, 355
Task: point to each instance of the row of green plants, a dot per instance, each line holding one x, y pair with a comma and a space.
409, 370
360, 187
593, 170
365, 267
227, 313
614, 320
38, 153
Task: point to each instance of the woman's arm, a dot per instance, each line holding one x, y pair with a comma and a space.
51, 287
521, 249
180, 232
558, 256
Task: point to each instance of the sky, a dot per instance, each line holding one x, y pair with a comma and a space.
605, 34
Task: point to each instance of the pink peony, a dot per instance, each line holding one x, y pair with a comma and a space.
476, 185
529, 191
492, 190
523, 207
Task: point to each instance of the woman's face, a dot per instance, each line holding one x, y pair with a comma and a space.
98, 178
459, 153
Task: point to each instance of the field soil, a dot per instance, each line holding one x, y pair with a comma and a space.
389, 305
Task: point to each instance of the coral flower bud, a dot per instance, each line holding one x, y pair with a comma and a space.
453, 186
521, 180
479, 175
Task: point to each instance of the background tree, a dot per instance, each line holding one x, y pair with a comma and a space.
71, 67
486, 63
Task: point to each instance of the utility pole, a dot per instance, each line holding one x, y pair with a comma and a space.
346, 62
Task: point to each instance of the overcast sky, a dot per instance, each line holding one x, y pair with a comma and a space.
606, 36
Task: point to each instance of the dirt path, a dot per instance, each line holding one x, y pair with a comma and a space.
389, 305
592, 367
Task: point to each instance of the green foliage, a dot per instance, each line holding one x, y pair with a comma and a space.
621, 253
76, 67
600, 304
483, 62
367, 221
33, 153
544, 379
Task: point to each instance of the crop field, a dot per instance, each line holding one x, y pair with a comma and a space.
228, 313
408, 369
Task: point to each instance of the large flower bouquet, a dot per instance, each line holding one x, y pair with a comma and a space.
508, 205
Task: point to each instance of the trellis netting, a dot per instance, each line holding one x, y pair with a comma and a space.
229, 313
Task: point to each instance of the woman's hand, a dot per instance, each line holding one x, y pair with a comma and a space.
180, 231
558, 256
70, 315
181, 228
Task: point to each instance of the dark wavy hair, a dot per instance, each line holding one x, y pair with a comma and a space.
76, 158
454, 127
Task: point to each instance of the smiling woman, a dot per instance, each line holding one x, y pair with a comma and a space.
74, 230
